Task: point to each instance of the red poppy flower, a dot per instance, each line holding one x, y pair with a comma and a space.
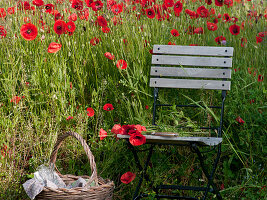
240, 120
54, 47
11, 10
60, 27
94, 41
139, 128
178, 7
57, 15
168, 3
84, 14
90, 112
226, 17
69, 118
202, 11
121, 64
109, 56
127, 177
199, 30
234, 19
175, 33
220, 40
252, 101
209, 2
49, 8
110, 3
259, 39
70, 26
229, 3
28, 31
97, 5
116, 9
25, 5
2, 13
108, 107
77, 4
70, 33
146, 3
260, 78
191, 13
133, 131
38, 2
262, 34
89, 2
137, 139
127, 128
101, 21
243, 42
105, 29
160, 17
116, 129
219, 3
2, 32
212, 26
234, 29
146, 107
211, 12
73, 17
102, 134
215, 20
150, 13
15, 99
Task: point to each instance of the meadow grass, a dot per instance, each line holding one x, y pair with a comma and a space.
53, 87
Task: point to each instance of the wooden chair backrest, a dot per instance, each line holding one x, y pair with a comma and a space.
209, 63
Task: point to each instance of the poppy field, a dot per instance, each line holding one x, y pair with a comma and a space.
83, 66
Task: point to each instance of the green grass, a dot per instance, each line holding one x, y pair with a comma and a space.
30, 128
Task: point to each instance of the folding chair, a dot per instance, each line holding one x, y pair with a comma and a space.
217, 62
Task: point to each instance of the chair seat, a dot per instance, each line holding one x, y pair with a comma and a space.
172, 139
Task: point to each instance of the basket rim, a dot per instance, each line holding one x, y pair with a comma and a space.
87, 150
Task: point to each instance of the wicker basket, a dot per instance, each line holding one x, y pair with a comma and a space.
103, 189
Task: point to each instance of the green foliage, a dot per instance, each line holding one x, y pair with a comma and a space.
53, 87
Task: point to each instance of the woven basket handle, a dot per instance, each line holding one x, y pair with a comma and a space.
86, 149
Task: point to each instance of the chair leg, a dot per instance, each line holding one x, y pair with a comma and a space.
209, 176
144, 174
137, 161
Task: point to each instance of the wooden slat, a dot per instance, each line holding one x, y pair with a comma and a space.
191, 61
211, 141
193, 50
190, 84
190, 72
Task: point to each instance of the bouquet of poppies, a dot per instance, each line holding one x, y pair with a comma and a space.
135, 132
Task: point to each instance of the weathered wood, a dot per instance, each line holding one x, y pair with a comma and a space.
190, 84
193, 50
191, 61
210, 141
190, 72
